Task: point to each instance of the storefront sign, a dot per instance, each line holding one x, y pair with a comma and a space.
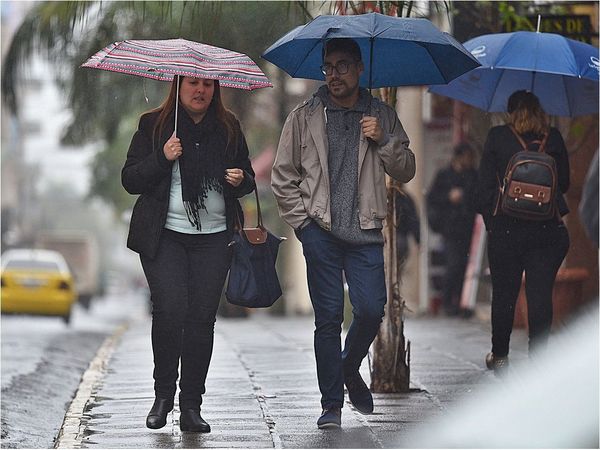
576, 27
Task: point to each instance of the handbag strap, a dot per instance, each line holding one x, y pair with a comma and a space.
541, 148
258, 212
237, 223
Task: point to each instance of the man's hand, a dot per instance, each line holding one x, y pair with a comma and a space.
371, 129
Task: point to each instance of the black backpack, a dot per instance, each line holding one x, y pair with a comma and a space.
529, 188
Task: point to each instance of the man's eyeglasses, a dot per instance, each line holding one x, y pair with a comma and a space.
341, 68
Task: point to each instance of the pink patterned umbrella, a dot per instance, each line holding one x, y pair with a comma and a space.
163, 59
166, 58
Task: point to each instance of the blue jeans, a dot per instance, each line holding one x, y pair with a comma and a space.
327, 258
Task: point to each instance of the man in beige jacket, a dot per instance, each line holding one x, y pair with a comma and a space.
329, 183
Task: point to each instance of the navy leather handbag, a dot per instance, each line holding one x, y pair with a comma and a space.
253, 280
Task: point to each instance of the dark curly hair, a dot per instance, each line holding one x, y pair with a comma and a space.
345, 45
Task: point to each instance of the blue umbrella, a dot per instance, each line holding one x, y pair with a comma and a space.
396, 51
563, 73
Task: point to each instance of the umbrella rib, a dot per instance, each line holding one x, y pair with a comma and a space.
422, 45
306, 55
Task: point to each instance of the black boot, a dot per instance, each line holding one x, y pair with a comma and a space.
191, 420
157, 417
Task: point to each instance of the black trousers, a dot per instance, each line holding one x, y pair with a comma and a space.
539, 254
456, 252
186, 279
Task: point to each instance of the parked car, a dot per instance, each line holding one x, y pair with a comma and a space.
37, 282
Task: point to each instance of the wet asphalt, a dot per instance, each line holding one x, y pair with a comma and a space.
43, 361
262, 390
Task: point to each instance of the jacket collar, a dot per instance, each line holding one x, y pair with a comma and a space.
362, 105
370, 103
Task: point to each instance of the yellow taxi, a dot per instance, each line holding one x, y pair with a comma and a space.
36, 282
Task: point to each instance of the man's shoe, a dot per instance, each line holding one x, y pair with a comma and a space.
359, 393
191, 420
496, 363
157, 417
330, 418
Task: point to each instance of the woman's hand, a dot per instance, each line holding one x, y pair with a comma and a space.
172, 148
234, 176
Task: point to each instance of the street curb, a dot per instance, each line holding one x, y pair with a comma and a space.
71, 433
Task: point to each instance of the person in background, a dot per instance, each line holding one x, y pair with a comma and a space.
329, 182
407, 224
188, 185
451, 211
517, 245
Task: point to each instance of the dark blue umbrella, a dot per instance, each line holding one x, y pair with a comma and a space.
563, 73
396, 51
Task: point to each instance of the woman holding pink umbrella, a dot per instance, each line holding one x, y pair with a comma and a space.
188, 184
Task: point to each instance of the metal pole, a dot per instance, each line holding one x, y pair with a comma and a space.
371, 64
176, 106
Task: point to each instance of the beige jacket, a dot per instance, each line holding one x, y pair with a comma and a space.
300, 176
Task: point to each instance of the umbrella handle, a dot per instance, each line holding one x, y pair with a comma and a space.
176, 106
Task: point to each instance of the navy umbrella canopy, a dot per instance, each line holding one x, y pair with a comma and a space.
561, 72
395, 51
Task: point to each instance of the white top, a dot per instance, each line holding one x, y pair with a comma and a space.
212, 219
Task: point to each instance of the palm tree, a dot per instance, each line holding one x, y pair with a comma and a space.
68, 32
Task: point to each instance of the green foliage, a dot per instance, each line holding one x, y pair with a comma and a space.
395, 8
48, 28
510, 17
106, 168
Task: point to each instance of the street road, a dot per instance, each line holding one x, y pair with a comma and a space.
42, 364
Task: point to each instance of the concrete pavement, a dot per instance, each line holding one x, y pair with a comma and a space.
262, 390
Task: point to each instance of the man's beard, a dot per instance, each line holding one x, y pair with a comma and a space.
340, 91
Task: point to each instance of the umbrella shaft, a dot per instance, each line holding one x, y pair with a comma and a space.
176, 106
371, 65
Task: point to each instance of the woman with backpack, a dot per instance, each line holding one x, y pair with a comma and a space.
526, 241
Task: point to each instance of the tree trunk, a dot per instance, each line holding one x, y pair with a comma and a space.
390, 366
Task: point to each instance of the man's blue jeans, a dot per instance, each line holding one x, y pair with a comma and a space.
327, 258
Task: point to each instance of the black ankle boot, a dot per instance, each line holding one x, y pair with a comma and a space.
157, 417
191, 420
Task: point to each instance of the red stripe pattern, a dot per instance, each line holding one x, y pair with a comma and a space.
163, 59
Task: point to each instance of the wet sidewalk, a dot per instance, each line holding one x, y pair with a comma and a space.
262, 389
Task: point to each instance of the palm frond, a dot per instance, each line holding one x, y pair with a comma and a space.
47, 28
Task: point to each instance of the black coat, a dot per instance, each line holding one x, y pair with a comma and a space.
147, 172
455, 220
501, 144
407, 218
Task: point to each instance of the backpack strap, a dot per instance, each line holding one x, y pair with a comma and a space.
541, 148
